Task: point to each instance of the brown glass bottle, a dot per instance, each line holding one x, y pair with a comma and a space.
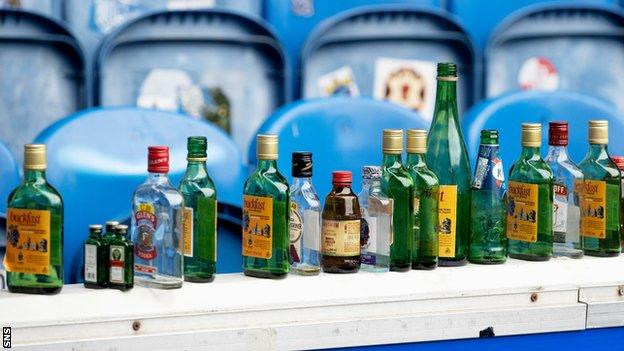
341, 227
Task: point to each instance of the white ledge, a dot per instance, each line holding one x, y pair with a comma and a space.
237, 312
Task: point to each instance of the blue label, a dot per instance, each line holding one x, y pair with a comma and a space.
489, 172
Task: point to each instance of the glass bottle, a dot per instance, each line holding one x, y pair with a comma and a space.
425, 202
488, 243
157, 226
340, 232
266, 234
200, 215
376, 225
447, 157
619, 161
121, 260
95, 259
398, 185
567, 178
600, 196
34, 248
305, 218
530, 200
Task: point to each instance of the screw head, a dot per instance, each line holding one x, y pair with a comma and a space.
136, 325
621, 290
534, 297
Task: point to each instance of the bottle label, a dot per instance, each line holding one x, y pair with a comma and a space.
146, 222
489, 172
116, 262
522, 210
447, 216
188, 231
257, 226
341, 238
90, 264
311, 229
368, 239
593, 209
28, 241
296, 231
560, 212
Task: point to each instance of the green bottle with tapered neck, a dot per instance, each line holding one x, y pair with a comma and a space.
447, 157
398, 185
600, 195
95, 259
200, 215
530, 201
34, 248
121, 260
266, 232
425, 202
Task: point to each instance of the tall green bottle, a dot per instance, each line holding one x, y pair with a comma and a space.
34, 248
266, 232
530, 200
398, 185
600, 195
200, 215
425, 202
448, 159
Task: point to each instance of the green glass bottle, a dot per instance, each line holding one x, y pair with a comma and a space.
425, 202
447, 157
200, 215
34, 251
266, 233
109, 232
121, 260
530, 201
488, 243
95, 259
398, 185
600, 195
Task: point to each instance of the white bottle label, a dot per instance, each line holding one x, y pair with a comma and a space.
90, 265
311, 229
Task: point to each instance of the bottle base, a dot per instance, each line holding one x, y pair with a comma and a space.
400, 268
307, 271
159, 284
424, 266
602, 253
525, 257
486, 261
94, 286
566, 251
452, 262
340, 270
264, 274
121, 287
35, 290
199, 279
374, 269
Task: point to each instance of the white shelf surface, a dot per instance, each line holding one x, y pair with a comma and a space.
237, 312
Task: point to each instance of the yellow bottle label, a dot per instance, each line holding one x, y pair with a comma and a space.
522, 210
447, 220
593, 209
188, 231
341, 238
28, 241
257, 226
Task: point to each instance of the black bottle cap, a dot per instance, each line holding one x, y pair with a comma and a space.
301, 164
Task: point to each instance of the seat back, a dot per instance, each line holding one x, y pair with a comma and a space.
10, 175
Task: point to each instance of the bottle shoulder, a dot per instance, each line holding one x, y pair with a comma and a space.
598, 169
41, 194
198, 187
396, 177
271, 183
531, 170
161, 192
305, 195
423, 176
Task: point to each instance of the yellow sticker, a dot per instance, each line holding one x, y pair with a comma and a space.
341, 238
593, 209
522, 210
257, 226
188, 231
28, 241
447, 220
416, 204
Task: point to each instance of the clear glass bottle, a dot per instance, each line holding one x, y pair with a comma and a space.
376, 225
121, 260
530, 200
305, 218
600, 196
157, 226
34, 251
567, 178
266, 218
425, 202
95, 259
619, 161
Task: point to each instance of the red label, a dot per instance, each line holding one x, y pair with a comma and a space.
560, 190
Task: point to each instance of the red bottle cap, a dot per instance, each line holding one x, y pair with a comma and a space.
158, 159
558, 133
619, 162
341, 177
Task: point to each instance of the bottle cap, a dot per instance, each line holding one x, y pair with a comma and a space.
558, 133
196, 147
111, 225
371, 172
489, 136
619, 161
392, 141
35, 157
599, 131
122, 229
447, 71
301, 164
95, 228
266, 146
416, 141
531, 134
341, 178
158, 159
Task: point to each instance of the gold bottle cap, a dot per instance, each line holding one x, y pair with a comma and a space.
599, 131
267, 146
531, 134
393, 141
35, 156
416, 141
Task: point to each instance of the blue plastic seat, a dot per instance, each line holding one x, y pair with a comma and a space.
10, 175
342, 134
96, 158
508, 112
50, 8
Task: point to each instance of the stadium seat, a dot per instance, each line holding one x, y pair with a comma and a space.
10, 175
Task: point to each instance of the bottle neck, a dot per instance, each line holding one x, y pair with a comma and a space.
264, 164
391, 160
34, 175
558, 152
158, 178
446, 98
197, 168
371, 186
416, 159
530, 152
598, 151
299, 182
93, 235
